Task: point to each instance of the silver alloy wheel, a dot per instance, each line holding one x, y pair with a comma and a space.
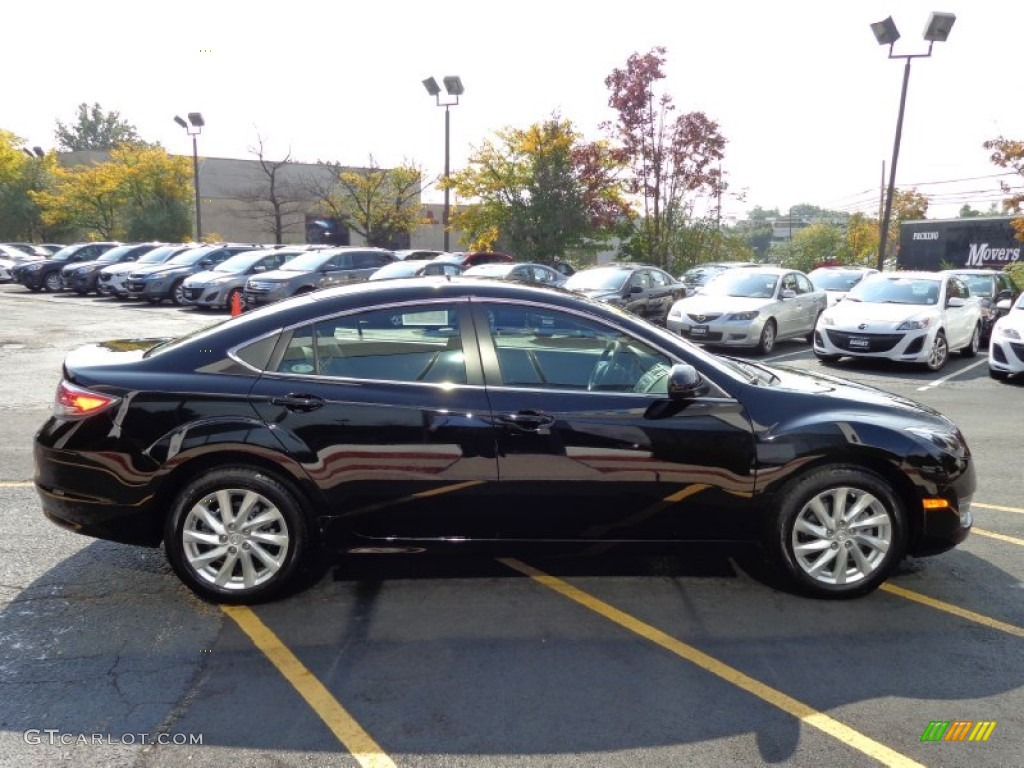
767, 341
54, 282
842, 535
235, 538
938, 353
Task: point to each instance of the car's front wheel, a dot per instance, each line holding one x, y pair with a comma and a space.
838, 531
766, 342
178, 294
237, 535
938, 354
53, 282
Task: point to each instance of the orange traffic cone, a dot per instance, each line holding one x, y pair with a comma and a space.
236, 304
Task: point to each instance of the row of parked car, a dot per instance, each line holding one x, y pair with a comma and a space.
914, 317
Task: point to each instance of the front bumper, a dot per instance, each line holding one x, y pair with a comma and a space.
213, 296
900, 346
718, 332
148, 289
944, 528
1006, 355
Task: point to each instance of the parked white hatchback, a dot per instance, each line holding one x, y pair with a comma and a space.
909, 317
749, 307
1006, 349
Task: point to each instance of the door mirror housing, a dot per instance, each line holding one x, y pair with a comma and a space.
686, 383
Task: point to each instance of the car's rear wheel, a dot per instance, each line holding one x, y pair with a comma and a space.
237, 535
53, 282
974, 344
766, 342
839, 531
938, 354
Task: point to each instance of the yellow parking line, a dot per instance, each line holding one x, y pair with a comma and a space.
15, 484
955, 610
997, 536
776, 698
351, 735
997, 507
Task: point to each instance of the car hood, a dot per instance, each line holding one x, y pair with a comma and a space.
601, 294
153, 269
720, 305
853, 313
208, 275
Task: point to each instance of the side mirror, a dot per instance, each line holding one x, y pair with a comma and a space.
636, 289
1004, 305
685, 383
956, 301
1006, 294
789, 293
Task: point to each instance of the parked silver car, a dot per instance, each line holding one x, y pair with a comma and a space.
750, 307
315, 270
216, 288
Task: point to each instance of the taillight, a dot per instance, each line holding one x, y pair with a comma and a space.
73, 402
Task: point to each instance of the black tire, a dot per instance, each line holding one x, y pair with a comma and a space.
177, 294
997, 375
939, 354
827, 359
766, 342
974, 344
802, 541
271, 557
53, 282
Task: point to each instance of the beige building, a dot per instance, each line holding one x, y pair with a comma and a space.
234, 204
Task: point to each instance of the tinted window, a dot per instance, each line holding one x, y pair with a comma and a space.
410, 344
541, 348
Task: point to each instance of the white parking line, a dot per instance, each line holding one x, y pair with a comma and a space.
944, 379
788, 354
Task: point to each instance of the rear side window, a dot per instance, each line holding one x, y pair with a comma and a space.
407, 344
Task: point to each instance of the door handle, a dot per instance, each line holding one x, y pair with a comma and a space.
299, 403
526, 421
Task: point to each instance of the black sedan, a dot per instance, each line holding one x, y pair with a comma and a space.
408, 415
646, 291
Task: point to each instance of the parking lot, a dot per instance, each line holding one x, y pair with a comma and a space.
686, 657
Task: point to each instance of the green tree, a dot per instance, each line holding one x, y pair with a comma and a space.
862, 240
967, 212
95, 129
812, 245
380, 204
673, 159
542, 191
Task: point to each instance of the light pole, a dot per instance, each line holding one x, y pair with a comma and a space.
453, 85
193, 128
939, 26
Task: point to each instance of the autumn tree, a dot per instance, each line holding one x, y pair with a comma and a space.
380, 204
541, 191
20, 174
139, 193
862, 239
276, 199
95, 129
812, 245
907, 205
673, 158
1009, 153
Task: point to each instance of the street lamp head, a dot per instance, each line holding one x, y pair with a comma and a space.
453, 84
181, 122
885, 31
196, 118
939, 26
432, 87
39, 151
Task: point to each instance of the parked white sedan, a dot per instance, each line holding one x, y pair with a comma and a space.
750, 307
1006, 349
909, 317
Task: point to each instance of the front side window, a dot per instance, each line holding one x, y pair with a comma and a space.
544, 348
405, 344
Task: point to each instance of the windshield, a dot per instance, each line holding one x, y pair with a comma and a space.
489, 270
747, 283
896, 290
835, 279
241, 262
189, 257
114, 254
600, 279
308, 261
397, 269
157, 255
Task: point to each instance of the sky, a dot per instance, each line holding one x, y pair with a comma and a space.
804, 95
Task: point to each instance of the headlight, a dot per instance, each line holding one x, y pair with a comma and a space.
675, 311
744, 315
826, 320
33, 267
914, 325
950, 442
1010, 333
